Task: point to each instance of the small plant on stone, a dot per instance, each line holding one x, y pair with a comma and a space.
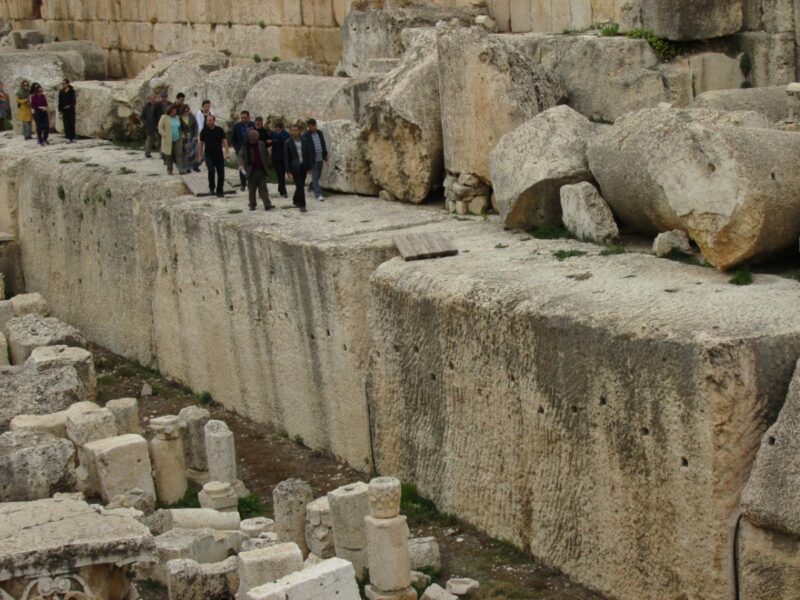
565, 254
125, 171
665, 49
610, 30
70, 160
206, 399
256, 58
611, 249
61, 193
226, 52
234, 211
276, 59
251, 507
500, 246
742, 276
262, 24
298, 439
549, 232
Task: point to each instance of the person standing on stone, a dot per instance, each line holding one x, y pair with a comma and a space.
169, 128
66, 108
40, 115
24, 112
279, 136
316, 140
202, 114
150, 116
253, 164
215, 149
298, 154
188, 138
239, 138
5, 107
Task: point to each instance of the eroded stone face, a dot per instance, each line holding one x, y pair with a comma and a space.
34, 465
691, 20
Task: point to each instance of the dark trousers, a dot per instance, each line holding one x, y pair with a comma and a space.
68, 119
216, 174
42, 125
299, 198
242, 176
280, 171
257, 182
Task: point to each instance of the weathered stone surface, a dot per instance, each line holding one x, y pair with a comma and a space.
166, 454
437, 592
34, 465
48, 357
772, 57
259, 567
530, 164
190, 580
84, 57
32, 331
194, 419
220, 452
107, 110
52, 423
119, 465
668, 241
384, 499
29, 304
289, 498
126, 413
733, 191
769, 563
299, 97
715, 71
331, 579
202, 545
90, 425
769, 101
135, 498
462, 586
256, 526
586, 215
38, 535
219, 496
424, 554
488, 88
387, 546
26, 391
347, 169
402, 126
689, 20
195, 518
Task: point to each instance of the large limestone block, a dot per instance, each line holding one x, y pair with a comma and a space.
258, 567
773, 16
85, 57
691, 20
402, 126
105, 112
34, 465
487, 88
120, 464
48, 357
32, 331
126, 413
715, 71
331, 579
189, 580
347, 169
733, 191
290, 498
349, 505
530, 164
769, 101
769, 563
299, 97
772, 57
27, 391
87, 426
586, 215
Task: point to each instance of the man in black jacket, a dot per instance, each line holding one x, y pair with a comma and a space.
298, 155
253, 158
66, 107
316, 140
151, 114
279, 138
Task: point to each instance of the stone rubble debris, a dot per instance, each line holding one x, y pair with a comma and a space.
32, 331
671, 241
259, 567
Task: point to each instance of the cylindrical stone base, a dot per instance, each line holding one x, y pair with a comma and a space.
387, 548
169, 469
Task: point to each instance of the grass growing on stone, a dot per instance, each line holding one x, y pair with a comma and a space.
93, 165
206, 399
664, 48
234, 211
565, 254
61, 193
500, 246
549, 232
189, 500
251, 507
420, 510
125, 171
610, 30
742, 276
612, 249
69, 160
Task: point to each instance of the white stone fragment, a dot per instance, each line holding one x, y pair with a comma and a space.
332, 579
586, 215
126, 413
387, 545
462, 586
27, 304
194, 420
220, 452
257, 567
437, 592
671, 240
424, 553
218, 495
289, 498
120, 464
189, 580
256, 526
88, 426
48, 357
166, 453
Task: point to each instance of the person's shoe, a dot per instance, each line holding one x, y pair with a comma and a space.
220, 195
269, 206
242, 188
320, 198
197, 169
303, 209
252, 208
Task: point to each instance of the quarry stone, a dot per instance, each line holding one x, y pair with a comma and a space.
87, 426
46, 357
258, 567
424, 554
530, 164
126, 413
769, 563
686, 20
387, 546
668, 241
194, 419
289, 499
32, 331
402, 131
29, 304
34, 465
586, 215
166, 454
319, 537
120, 465
769, 101
732, 192
332, 579
189, 580
513, 89
347, 169
218, 496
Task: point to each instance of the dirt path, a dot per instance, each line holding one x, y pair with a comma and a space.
266, 457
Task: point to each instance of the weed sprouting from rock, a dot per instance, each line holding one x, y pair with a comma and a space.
234, 211
610, 30
549, 232
565, 254
256, 58
125, 171
61, 193
206, 399
665, 49
742, 276
251, 507
612, 249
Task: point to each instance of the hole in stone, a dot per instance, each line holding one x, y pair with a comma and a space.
396, 348
328, 331
575, 410
433, 376
711, 167
451, 365
771, 439
540, 410
344, 347
684, 462
645, 431
512, 378
416, 349
313, 337
773, 176
603, 401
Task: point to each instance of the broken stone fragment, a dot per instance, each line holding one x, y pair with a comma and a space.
189, 580
194, 419
119, 465
347, 170
290, 498
586, 215
387, 546
87, 426
462, 586
437, 592
135, 498
219, 496
668, 241
46, 357
332, 578
34, 465
256, 526
33, 331
384, 497
29, 304
424, 554
319, 537
257, 567
166, 454
126, 413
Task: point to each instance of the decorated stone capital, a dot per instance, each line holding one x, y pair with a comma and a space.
168, 427
384, 497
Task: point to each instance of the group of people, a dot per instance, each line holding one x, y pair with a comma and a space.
32, 108
188, 139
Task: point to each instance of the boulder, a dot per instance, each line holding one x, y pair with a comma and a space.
107, 110
299, 97
437, 592
531, 163
28, 304
48, 357
34, 465
488, 88
402, 126
669, 241
84, 57
119, 465
177, 72
684, 20
586, 215
424, 554
29, 332
769, 101
27, 391
347, 169
731, 187
91, 425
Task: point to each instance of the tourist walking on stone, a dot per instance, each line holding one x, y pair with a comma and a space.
5, 107
298, 156
279, 136
39, 106
169, 128
189, 134
263, 133
202, 115
253, 165
66, 108
239, 138
316, 140
215, 150
24, 112
150, 116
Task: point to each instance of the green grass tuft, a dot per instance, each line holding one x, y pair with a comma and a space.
125, 171
665, 49
565, 254
742, 276
549, 232
189, 500
610, 30
234, 211
611, 249
205, 398
61, 193
251, 507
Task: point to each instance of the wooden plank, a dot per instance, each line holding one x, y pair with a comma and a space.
421, 246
